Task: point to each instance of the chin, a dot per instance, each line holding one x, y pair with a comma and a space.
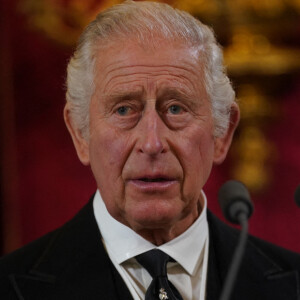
153, 217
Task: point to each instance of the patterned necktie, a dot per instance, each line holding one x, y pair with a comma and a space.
155, 262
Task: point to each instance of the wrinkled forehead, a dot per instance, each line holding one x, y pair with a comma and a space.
128, 64
155, 51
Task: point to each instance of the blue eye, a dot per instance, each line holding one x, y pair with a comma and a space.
175, 109
123, 110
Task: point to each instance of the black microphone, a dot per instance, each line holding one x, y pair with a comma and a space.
237, 208
297, 195
234, 199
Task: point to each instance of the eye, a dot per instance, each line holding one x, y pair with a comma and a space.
123, 110
175, 109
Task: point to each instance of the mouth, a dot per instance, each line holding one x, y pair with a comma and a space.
153, 183
159, 179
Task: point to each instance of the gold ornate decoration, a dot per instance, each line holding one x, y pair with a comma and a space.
252, 150
253, 53
253, 153
203, 7
62, 21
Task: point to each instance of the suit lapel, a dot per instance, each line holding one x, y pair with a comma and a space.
259, 278
74, 265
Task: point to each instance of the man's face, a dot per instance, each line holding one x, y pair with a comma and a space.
151, 145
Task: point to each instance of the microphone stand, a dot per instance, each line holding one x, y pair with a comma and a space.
238, 255
237, 207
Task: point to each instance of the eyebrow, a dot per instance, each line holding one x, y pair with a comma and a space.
116, 97
176, 94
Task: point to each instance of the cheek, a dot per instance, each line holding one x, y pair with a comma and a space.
108, 152
198, 153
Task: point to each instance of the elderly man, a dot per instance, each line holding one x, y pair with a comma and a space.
150, 110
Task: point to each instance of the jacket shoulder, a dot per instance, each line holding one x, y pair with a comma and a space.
285, 258
228, 237
24, 258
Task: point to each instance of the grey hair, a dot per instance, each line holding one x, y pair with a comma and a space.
144, 21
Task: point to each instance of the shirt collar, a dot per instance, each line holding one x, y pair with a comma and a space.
123, 243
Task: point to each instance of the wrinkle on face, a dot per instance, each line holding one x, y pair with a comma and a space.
113, 79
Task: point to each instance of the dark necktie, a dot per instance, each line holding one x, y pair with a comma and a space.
155, 262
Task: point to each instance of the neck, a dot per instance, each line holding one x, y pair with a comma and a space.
164, 233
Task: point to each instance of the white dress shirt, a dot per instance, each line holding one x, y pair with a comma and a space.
189, 250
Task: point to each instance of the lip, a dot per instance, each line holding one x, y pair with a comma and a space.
149, 185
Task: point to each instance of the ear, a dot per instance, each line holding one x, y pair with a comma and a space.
223, 143
80, 143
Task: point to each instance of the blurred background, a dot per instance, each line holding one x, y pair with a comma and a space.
43, 183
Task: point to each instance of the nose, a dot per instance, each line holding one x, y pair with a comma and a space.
151, 136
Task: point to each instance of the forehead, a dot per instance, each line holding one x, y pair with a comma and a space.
127, 62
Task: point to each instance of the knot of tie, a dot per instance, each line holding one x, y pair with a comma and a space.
155, 262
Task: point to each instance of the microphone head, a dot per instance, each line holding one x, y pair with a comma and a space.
297, 195
234, 199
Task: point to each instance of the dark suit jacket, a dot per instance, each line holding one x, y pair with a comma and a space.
71, 263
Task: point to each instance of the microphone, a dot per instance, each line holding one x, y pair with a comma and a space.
237, 208
297, 195
234, 199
